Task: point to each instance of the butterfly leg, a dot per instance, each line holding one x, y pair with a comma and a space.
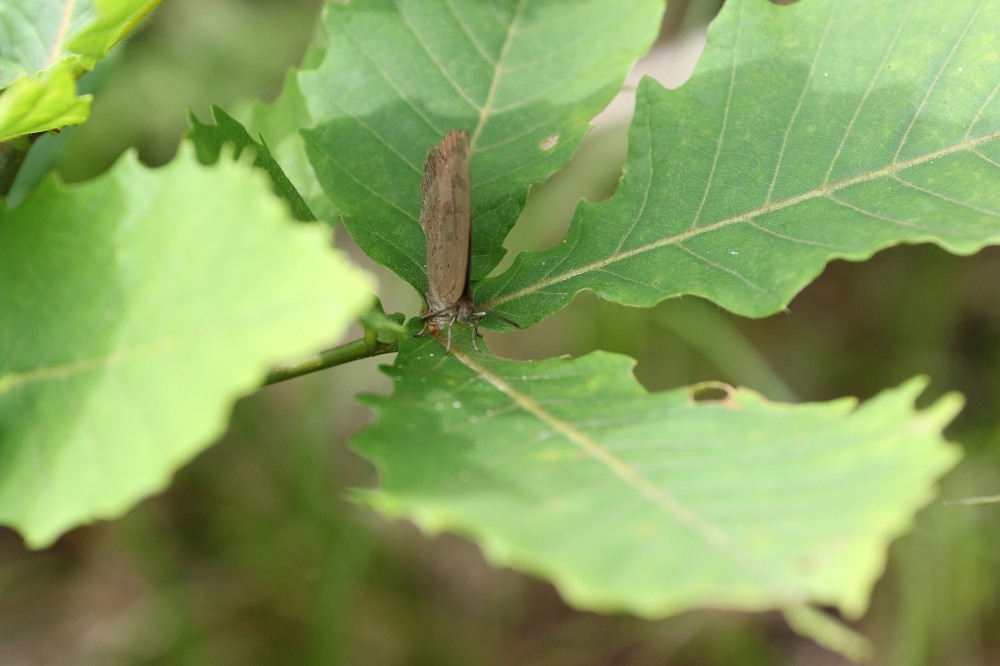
473, 323
451, 325
472, 327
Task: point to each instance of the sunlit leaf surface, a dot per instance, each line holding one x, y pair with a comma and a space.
136, 309
654, 503
808, 132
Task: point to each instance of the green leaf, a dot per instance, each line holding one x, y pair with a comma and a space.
523, 76
38, 104
209, 140
38, 35
279, 123
385, 328
137, 308
46, 45
807, 133
114, 21
654, 503
35, 35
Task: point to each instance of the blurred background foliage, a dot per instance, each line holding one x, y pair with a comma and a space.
256, 555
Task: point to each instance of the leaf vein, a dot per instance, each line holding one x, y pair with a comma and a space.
943, 197
391, 83
801, 241
725, 121
988, 104
786, 135
877, 216
933, 84
487, 108
646, 190
716, 265
437, 63
988, 160
867, 94
468, 33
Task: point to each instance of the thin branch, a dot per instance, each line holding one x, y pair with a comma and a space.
345, 353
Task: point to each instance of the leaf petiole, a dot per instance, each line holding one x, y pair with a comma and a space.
345, 353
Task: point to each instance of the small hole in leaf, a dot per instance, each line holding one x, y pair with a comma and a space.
712, 392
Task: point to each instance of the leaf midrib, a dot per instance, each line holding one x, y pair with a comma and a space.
64, 25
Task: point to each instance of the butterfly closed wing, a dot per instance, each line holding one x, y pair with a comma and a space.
446, 218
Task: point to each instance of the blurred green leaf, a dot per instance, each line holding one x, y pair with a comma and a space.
45, 46
523, 77
137, 308
114, 21
35, 34
209, 140
37, 104
38, 35
654, 503
809, 132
